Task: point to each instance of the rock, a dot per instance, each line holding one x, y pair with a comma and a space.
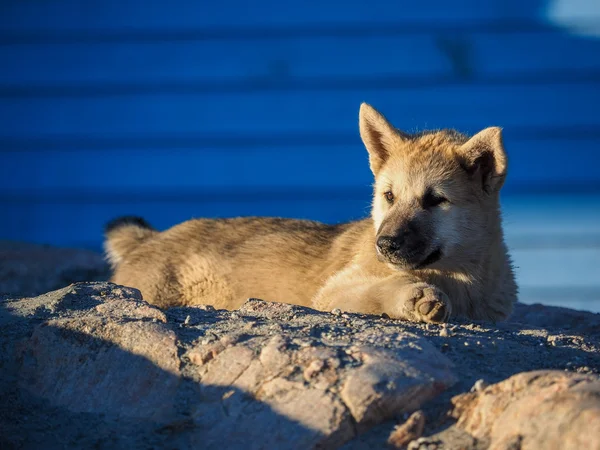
534, 410
259, 308
265, 368
203, 353
386, 385
408, 431
426, 444
108, 357
104, 297
444, 332
557, 318
31, 269
97, 349
479, 386
274, 356
125, 369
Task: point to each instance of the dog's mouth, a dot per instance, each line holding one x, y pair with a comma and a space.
408, 261
433, 257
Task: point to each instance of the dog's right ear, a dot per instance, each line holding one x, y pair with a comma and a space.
378, 135
483, 157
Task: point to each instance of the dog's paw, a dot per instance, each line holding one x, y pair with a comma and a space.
426, 303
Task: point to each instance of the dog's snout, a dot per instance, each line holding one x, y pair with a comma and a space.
389, 244
406, 237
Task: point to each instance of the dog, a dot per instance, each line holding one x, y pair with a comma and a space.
433, 247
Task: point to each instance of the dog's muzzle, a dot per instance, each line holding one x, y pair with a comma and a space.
406, 253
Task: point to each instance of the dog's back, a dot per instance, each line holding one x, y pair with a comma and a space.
223, 262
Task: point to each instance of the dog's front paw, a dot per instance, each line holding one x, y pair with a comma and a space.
426, 303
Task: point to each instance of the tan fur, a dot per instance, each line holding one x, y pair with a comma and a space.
224, 262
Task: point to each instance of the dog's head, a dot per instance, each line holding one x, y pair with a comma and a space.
436, 199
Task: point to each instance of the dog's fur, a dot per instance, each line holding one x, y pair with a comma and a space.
433, 246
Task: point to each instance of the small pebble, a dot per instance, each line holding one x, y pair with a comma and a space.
187, 320
313, 369
336, 311
208, 339
444, 331
479, 385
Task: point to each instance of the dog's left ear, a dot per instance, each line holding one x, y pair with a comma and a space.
484, 158
378, 135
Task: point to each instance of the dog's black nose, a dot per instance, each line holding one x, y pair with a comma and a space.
389, 244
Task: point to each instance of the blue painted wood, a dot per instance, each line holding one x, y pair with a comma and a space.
534, 163
159, 62
133, 15
469, 107
176, 110
80, 223
195, 61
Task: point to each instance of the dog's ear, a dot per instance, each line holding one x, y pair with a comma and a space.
484, 158
378, 136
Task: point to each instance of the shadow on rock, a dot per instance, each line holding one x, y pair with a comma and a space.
78, 378
93, 365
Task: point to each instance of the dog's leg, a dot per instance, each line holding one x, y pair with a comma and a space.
400, 296
413, 299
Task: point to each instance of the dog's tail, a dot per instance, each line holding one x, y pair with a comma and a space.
124, 234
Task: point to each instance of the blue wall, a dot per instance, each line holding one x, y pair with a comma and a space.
172, 110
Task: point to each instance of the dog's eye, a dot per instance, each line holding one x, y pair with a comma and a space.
389, 196
431, 200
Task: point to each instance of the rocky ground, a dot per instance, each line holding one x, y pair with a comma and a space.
92, 365
31, 269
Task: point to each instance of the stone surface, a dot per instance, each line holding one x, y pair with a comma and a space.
122, 368
32, 269
534, 410
266, 376
407, 432
554, 317
385, 385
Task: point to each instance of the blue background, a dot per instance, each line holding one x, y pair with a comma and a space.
174, 110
